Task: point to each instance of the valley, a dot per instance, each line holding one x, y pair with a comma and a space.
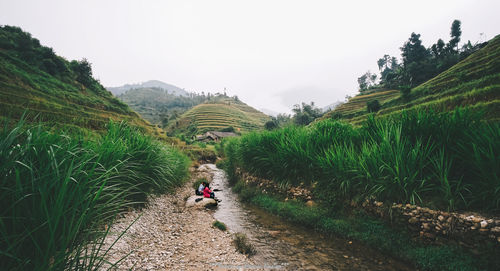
405, 175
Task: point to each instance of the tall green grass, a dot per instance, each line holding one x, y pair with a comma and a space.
60, 192
444, 160
373, 232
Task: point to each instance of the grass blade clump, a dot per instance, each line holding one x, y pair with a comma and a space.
58, 191
444, 160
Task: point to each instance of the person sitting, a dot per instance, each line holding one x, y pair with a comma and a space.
199, 191
207, 193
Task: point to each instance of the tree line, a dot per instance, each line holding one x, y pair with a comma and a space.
21, 45
418, 63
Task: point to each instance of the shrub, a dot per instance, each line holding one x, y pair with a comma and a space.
373, 106
243, 245
219, 225
228, 129
198, 182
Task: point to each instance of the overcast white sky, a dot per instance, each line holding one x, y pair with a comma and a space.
272, 53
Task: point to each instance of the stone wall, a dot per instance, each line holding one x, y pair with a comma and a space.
465, 229
268, 186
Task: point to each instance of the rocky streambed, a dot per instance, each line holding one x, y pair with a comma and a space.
170, 236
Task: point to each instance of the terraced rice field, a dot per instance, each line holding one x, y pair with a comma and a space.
473, 82
357, 105
219, 115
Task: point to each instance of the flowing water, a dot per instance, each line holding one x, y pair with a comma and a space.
284, 246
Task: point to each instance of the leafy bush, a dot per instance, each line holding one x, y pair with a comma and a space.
198, 182
219, 225
243, 245
373, 106
228, 129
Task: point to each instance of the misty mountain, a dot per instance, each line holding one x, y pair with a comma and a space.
269, 112
149, 84
331, 106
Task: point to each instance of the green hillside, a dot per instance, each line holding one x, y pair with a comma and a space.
158, 105
356, 106
475, 81
50, 89
219, 113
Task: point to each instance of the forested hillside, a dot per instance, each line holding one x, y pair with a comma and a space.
474, 81
51, 89
158, 105
72, 158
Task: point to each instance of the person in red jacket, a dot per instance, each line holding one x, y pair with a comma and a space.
207, 193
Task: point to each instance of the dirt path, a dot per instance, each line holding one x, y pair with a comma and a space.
169, 236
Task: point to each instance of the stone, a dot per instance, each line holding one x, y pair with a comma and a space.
484, 224
495, 229
440, 218
412, 220
425, 226
205, 202
429, 235
379, 203
310, 203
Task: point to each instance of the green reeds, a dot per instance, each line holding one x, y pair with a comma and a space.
445, 160
60, 193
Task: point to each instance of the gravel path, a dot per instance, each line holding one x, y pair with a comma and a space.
169, 236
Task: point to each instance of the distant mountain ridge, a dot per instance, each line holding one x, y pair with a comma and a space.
269, 112
149, 84
159, 106
331, 106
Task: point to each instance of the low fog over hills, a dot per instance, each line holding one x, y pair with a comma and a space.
148, 84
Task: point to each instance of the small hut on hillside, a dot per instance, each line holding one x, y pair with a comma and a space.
214, 136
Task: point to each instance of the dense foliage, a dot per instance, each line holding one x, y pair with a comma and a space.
303, 114
473, 82
55, 91
446, 160
59, 190
418, 63
21, 45
158, 105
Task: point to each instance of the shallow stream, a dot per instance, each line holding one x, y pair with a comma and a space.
281, 245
